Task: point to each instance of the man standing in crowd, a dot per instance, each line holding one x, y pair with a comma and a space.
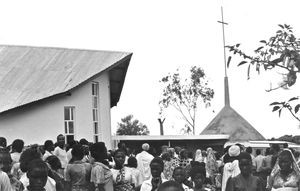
258, 161
245, 180
60, 151
143, 161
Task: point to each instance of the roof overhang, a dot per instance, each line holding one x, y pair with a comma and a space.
170, 137
116, 80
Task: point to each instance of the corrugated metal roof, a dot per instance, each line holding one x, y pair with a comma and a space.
29, 74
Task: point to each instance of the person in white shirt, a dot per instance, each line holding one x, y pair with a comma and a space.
16, 147
49, 148
60, 151
143, 160
258, 161
170, 185
152, 184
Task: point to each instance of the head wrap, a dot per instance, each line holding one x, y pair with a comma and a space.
198, 155
234, 151
276, 168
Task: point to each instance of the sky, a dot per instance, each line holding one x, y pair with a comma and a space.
164, 35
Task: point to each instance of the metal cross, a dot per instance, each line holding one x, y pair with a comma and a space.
223, 23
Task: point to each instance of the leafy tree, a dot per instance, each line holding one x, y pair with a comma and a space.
279, 53
186, 95
128, 126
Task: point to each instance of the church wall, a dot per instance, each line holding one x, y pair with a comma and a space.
37, 122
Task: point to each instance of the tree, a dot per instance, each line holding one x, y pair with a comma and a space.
128, 126
279, 53
186, 95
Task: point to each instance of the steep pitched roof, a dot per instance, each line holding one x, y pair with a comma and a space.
29, 74
229, 122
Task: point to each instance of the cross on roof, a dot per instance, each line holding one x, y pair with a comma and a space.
223, 23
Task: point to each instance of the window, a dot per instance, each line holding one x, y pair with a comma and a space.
95, 110
69, 123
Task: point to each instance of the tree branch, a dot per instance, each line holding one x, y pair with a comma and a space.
178, 108
294, 114
271, 89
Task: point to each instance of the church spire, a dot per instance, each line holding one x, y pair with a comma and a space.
226, 85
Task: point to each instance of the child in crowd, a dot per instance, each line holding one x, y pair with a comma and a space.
26, 157
37, 173
198, 176
179, 176
157, 167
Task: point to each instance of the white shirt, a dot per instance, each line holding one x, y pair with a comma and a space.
61, 155
15, 156
50, 184
143, 164
4, 182
69, 155
258, 161
186, 188
129, 176
147, 186
231, 169
46, 155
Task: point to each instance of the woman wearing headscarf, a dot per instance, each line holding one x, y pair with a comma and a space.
285, 175
231, 167
211, 164
198, 155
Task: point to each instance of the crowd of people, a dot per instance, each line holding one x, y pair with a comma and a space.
84, 166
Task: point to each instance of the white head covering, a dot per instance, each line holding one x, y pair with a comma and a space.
234, 151
145, 146
276, 168
198, 156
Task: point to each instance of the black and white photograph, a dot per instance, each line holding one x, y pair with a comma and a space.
134, 95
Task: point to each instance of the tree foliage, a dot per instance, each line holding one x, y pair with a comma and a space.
185, 95
130, 126
280, 51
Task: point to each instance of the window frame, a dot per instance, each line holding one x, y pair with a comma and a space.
69, 120
95, 112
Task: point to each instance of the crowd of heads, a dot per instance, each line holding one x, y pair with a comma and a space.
179, 165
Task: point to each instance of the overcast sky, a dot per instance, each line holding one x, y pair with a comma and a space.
164, 35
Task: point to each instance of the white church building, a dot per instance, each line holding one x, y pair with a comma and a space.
49, 91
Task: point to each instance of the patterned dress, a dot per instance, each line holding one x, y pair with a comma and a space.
124, 179
78, 174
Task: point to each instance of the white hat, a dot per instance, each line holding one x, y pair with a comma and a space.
234, 151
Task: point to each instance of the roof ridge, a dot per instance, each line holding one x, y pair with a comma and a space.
63, 48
